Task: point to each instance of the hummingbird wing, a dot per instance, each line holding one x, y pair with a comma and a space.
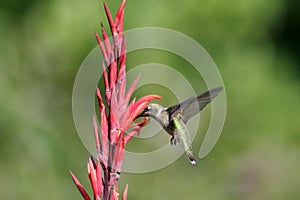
194, 105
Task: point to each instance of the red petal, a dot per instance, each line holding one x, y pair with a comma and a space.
115, 195
96, 133
140, 105
124, 197
120, 13
118, 152
122, 86
104, 125
102, 48
110, 20
80, 188
93, 177
120, 25
107, 45
136, 130
124, 119
122, 57
99, 178
105, 78
113, 75
114, 112
129, 135
104, 129
131, 89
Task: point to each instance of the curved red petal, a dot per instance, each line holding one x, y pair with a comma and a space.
80, 187
124, 196
140, 105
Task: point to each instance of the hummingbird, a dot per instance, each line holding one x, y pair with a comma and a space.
174, 118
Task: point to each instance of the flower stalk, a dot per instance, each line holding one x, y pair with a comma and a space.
117, 118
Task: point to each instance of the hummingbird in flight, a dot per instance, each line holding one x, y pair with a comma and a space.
174, 118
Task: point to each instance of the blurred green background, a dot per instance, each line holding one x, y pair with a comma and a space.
255, 44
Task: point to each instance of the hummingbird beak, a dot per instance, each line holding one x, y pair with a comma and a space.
145, 113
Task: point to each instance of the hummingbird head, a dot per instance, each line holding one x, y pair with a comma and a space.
152, 110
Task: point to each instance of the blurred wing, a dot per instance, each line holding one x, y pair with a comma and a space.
199, 103
194, 105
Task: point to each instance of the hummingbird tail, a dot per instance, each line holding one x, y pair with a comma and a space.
189, 154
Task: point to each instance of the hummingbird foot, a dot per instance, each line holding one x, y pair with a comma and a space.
173, 141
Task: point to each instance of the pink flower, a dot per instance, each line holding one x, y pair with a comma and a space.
119, 117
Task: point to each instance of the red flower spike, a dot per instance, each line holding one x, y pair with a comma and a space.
80, 188
112, 137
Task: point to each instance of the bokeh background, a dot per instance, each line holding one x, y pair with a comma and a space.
255, 44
